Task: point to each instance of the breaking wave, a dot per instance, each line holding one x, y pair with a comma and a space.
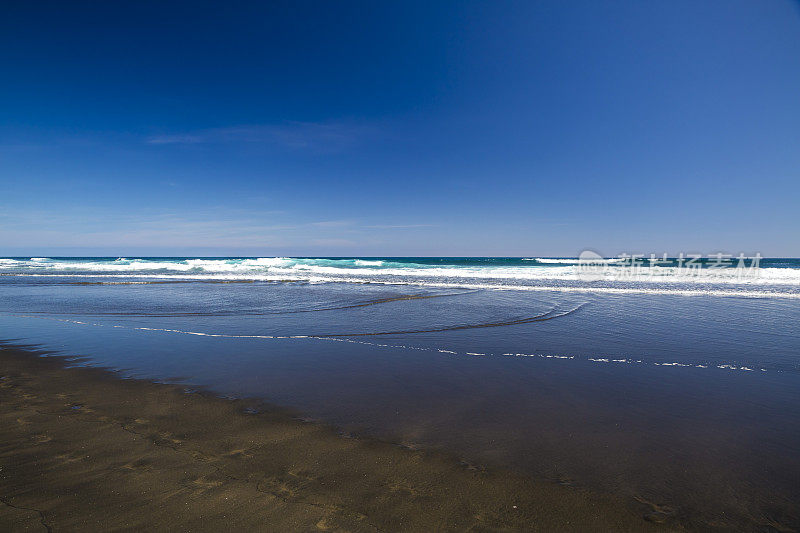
774, 278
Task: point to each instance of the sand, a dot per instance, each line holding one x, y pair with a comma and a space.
84, 450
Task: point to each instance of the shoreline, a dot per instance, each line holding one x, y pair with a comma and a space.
83, 448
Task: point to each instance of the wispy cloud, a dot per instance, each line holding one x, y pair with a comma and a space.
332, 242
399, 226
316, 136
211, 226
332, 223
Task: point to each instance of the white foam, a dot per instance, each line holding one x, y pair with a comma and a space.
768, 283
347, 267
776, 292
554, 261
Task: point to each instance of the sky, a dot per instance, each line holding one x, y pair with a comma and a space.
399, 128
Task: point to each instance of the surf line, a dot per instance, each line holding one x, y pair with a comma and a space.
549, 315
544, 316
465, 285
341, 338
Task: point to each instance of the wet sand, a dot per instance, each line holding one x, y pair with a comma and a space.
82, 449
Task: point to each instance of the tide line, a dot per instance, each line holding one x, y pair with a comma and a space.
721, 366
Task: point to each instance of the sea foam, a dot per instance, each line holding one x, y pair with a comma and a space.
533, 274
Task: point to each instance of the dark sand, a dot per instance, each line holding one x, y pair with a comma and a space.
84, 450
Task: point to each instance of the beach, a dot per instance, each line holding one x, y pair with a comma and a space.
414, 267
85, 450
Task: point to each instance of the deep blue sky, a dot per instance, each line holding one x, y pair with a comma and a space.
406, 128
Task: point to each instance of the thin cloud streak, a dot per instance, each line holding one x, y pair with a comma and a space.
235, 228
400, 226
315, 136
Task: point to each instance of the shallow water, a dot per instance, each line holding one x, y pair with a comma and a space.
682, 392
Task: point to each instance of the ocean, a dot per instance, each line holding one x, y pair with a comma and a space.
656, 380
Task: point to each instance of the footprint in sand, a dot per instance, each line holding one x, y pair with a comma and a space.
202, 484
200, 456
41, 438
278, 487
140, 465
72, 457
239, 453
658, 513
302, 474
340, 519
166, 439
404, 488
471, 466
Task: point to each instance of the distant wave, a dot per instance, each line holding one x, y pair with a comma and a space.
782, 279
555, 261
565, 260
